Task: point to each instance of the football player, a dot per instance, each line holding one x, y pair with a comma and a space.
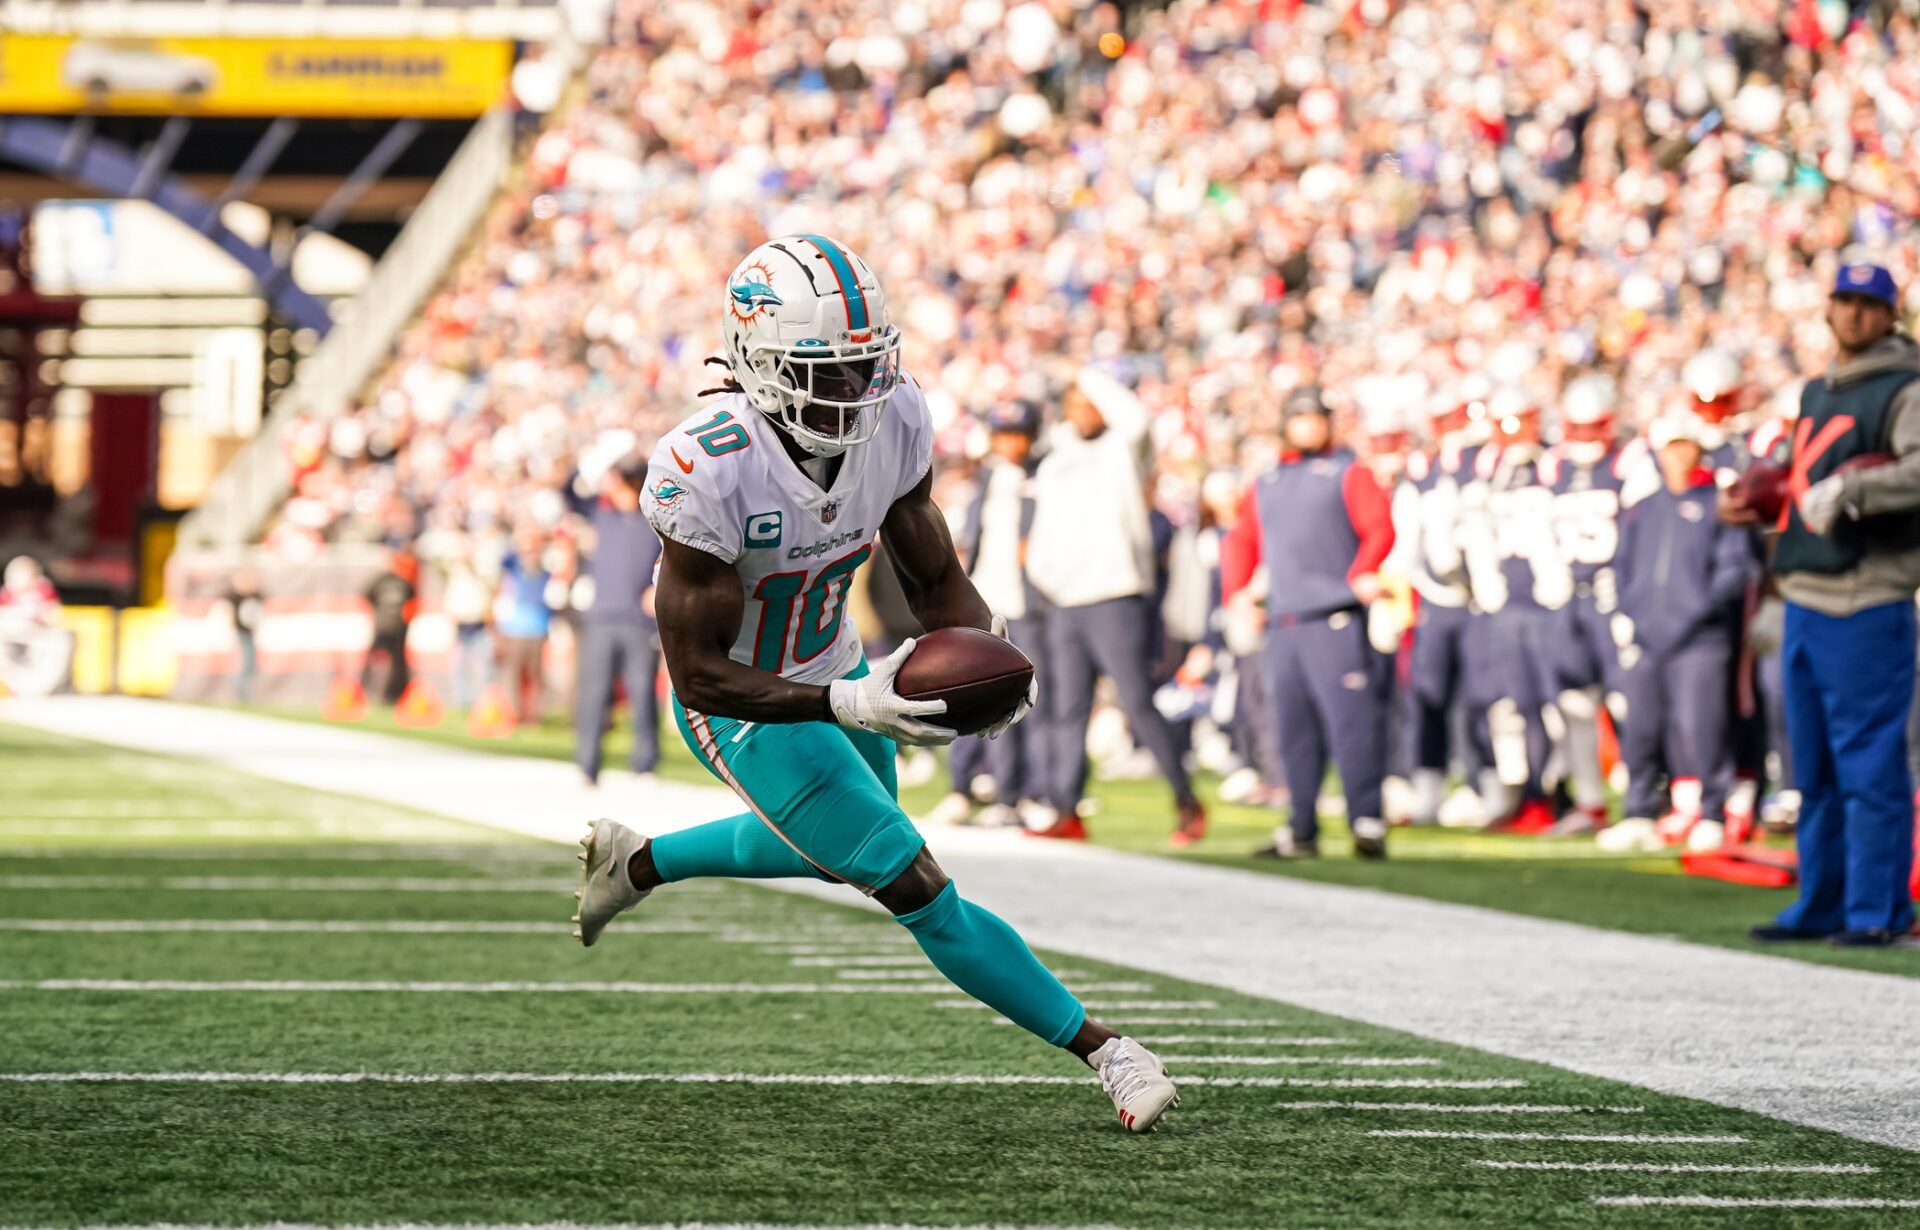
1426, 516
1517, 577
1717, 398
768, 502
1585, 472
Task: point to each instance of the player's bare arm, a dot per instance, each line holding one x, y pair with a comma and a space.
938, 589
700, 604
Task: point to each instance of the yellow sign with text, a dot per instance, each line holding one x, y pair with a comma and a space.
316, 78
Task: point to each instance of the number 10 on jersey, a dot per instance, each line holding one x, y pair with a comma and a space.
823, 604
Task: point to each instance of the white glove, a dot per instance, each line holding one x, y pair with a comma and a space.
1820, 506
1027, 702
871, 703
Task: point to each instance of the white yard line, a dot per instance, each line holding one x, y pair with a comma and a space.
849, 932
1598, 1138
1464, 1108
321, 926
1837, 1054
1689, 1167
460, 988
1756, 1202
1223, 1022
1229, 1040
654, 1078
290, 884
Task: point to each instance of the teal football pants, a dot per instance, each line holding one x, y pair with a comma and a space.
822, 803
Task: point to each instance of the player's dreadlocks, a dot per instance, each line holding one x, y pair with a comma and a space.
730, 385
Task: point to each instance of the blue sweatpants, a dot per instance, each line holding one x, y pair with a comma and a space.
1677, 724
1849, 686
1435, 670
1331, 689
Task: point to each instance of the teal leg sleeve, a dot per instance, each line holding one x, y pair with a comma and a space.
988, 960
737, 846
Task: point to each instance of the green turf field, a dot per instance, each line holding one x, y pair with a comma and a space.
195, 927
1561, 878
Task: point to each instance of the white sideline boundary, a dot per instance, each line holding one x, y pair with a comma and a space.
668, 1078
1837, 1055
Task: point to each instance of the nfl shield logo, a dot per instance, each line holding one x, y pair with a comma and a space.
829, 511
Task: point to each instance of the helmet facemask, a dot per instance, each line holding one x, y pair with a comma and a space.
828, 398
1587, 443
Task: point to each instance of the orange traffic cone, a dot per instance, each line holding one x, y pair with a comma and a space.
346, 700
419, 706
492, 715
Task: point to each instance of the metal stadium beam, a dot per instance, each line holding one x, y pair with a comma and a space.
71, 151
159, 156
259, 161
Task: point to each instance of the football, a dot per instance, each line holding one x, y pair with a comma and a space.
1764, 489
981, 677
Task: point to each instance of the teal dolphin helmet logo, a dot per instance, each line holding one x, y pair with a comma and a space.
751, 291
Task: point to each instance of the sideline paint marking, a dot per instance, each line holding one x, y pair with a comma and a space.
275, 926
1467, 1108
1255, 1040
1599, 1138
1227, 1022
290, 884
628, 1078
1691, 1167
1758, 1202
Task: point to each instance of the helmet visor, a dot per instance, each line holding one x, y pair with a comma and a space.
835, 393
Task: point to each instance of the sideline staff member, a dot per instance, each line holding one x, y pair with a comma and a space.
1848, 559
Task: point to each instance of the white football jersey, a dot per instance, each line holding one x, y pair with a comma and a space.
721, 482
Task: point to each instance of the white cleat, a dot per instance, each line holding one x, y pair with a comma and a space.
605, 889
1134, 1078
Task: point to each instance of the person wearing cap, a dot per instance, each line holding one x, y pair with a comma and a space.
618, 638
1321, 525
1680, 574
1848, 562
993, 545
1090, 554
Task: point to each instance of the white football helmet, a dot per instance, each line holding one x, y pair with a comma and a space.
1713, 377
810, 341
1586, 418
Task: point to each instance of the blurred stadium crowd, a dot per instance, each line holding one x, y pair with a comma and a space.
1437, 215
